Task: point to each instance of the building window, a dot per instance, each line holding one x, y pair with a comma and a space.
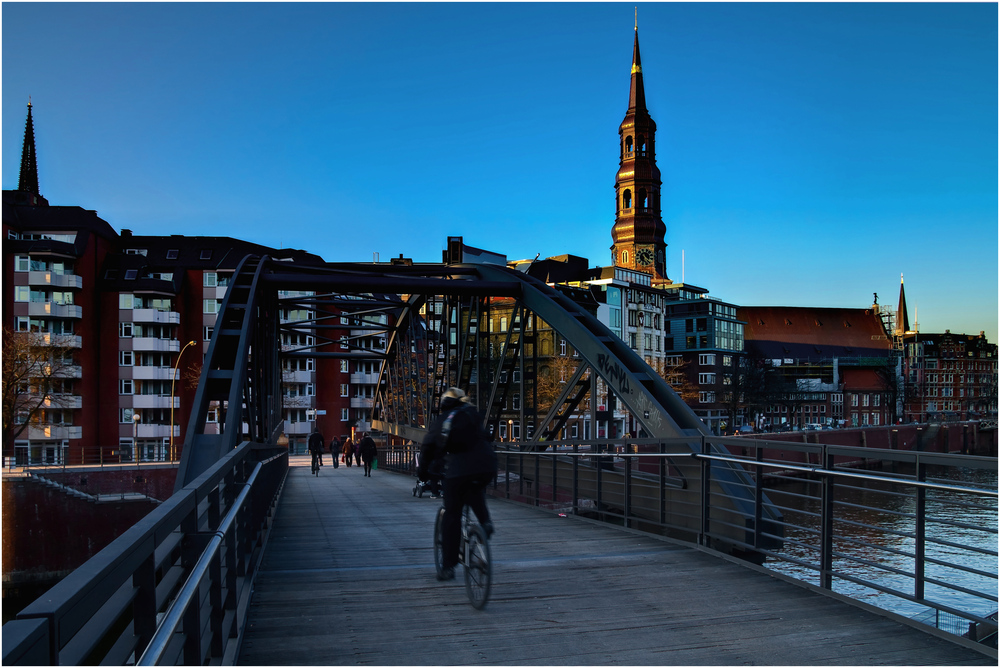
22, 293
706, 379
206, 254
125, 415
125, 386
125, 358
343, 415
125, 301
706, 360
125, 330
22, 263
208, 330
854, 400
211, 306
727, 360
344, 389
210, 279
706, 397
864, 400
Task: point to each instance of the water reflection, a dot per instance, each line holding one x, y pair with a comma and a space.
875, 529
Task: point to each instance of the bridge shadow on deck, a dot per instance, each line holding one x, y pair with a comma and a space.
348, 578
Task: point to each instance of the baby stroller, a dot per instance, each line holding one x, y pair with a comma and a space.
427, 482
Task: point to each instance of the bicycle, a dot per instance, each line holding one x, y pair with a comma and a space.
315, 464
473, 553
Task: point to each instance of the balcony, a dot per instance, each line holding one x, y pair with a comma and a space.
298, 427
153, 430
64, 401
298, 376
361, 402
298, 402
54, 310
68, 372
61, 340
48, 279
153, 401
364, 378
53, 431
154, 316
148, 343
152, 373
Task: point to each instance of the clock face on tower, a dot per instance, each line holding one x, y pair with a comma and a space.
644, 257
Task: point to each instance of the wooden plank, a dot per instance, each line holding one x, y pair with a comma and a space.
348, 578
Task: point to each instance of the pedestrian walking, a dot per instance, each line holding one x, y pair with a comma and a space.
357, 451
335, 451
368, 453
348, 449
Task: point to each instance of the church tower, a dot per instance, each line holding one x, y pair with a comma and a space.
638, 232
27, 183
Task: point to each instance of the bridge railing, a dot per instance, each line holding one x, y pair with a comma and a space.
909, 532
186, 568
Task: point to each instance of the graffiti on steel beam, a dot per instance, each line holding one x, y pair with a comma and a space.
614, 374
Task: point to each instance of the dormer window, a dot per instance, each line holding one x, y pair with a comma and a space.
173, 254
206, 254
130, 274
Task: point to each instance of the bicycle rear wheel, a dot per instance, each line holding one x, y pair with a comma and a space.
438, 550
478, 568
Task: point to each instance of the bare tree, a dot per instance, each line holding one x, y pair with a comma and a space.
36, 379
676, 375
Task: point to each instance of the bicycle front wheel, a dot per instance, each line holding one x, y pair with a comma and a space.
478, 568
438, 549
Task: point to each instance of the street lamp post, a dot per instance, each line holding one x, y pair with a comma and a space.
135, 435
173, 383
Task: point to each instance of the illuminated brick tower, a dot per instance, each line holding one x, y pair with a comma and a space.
638, 231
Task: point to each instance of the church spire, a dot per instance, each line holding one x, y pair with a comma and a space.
28, 181
638, 233
902, 320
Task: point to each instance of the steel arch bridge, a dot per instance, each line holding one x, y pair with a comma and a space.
495, 332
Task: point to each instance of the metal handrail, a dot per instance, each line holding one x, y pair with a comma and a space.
174, 615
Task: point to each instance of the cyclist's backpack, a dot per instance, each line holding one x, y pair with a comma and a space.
461, 428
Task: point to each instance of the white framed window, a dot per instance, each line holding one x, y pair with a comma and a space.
23, 323
706, 397
125, 300
22, 263
706, 359
343, 343
344, 389
125, 415
310, 390
125, 330
126, 358
854, 400
22, 293
706, 379
864, 400
210, 279
125, 386
212, 415
343, 366
211, 306
343, 415
208, 331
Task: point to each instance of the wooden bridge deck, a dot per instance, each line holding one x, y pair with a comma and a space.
348, 578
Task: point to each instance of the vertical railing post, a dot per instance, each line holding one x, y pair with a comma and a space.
663, 484
706, 481
576, 478
627, 490
920, 531
538, 475
215, 610
144, 605
826, 522
758, 495
554, 478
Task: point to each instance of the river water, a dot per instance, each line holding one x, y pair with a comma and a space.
874, 524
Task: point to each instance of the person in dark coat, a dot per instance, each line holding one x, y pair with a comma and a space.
470, 465
348, 449
357, 450
368, 453
335, 451
315, 444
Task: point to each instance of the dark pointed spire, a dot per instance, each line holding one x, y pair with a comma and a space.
28, 181
637, 93
902, 320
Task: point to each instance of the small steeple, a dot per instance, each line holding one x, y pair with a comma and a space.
637, 92
902, 321
28, 181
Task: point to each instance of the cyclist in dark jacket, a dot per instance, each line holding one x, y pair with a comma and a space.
470, 465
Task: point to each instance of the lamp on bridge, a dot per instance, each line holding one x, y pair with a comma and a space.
135, 434
173, 383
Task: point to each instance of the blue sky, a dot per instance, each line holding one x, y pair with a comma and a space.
810, 153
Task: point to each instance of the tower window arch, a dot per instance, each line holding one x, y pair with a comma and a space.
628, 145
640, 145
627, 199
624, 257
642, 199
